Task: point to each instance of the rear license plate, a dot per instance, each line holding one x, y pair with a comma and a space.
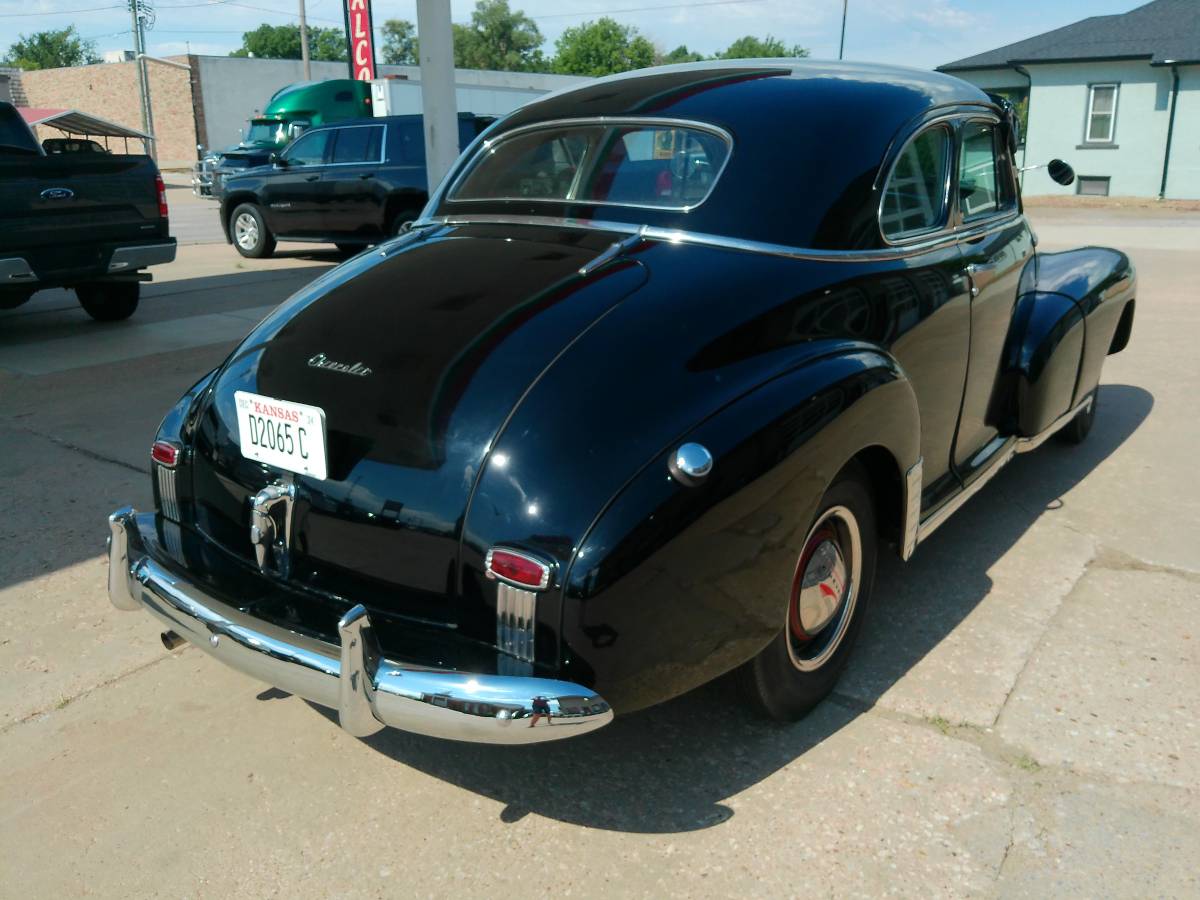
280, 433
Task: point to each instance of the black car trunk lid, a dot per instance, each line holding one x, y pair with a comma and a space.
417, 359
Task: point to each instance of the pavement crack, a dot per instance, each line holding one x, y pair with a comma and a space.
65, 701
90, 454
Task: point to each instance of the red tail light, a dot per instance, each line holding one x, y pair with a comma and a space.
517, 568
165, 453
162, 196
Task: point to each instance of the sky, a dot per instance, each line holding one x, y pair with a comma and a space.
921, 33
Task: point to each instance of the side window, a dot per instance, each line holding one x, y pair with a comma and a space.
406, 144
308, 149
359, 144
914, 199
978, 190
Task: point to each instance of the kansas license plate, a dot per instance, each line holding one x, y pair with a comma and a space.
282, 433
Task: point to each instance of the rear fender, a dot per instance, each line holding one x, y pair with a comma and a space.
675, 585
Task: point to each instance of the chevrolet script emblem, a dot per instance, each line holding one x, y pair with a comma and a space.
321, 361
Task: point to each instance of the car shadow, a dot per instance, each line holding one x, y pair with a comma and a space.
673, 767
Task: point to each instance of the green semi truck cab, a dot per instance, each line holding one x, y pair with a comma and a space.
298, 106
290, 111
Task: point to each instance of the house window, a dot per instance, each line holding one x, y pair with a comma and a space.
1102, 113
1092, 185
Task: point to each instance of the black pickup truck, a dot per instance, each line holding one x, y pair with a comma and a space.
352, 184
88, 221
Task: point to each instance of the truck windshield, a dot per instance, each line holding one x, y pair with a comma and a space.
267, 133
664, 166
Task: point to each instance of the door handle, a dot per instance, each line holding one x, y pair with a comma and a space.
972, 287
311, 177
364, 176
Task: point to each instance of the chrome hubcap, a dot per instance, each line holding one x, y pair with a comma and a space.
245, 231
824, 589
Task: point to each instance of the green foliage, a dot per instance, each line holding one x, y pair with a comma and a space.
680, 54
283, 42
602, 47
400, 46
750, 47
498, 38
52, 50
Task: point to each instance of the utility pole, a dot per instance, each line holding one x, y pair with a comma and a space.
439, 102
842, 45
141, 12
304, 44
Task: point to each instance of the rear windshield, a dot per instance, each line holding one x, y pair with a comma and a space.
665, 166
14, 134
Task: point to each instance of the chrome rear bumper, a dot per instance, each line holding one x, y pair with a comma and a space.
367, 690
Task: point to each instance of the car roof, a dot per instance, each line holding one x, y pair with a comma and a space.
808, 140
694, 87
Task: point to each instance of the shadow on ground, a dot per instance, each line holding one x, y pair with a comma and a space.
670, 768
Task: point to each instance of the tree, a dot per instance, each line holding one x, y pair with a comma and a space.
750, 47
602, 48
400, 47
283, 42
52, 50
498, 38
680, 54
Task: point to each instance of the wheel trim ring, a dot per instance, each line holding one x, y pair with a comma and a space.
845, 525
245, 230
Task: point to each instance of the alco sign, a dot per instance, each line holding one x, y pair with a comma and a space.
361, 39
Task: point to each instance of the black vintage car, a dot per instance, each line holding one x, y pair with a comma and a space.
667, 361
352, 184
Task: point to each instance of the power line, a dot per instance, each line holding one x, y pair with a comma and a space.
60, 12
612, 12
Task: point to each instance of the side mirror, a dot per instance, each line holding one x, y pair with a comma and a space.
277, 161
1060, 171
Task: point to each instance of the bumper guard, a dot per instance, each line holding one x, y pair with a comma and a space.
367, 690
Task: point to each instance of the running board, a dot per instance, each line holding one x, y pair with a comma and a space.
1014, 446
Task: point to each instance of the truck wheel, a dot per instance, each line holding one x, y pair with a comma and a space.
11, 298
250, 233
1077, 430
109, 301
830, 592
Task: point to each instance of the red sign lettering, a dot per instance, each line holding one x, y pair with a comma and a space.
361, 39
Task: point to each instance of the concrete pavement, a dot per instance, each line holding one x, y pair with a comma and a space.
1021, 719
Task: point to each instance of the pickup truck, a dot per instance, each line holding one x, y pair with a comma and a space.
351, 184
87, 221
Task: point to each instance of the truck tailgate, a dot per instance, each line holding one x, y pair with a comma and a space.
63, 211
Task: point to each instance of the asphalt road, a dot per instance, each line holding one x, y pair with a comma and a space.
1021, 719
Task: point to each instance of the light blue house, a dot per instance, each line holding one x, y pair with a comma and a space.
1118, 97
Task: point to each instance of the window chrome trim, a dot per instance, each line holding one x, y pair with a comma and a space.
448, 196
679, 236
952, 226
331, 165
943, 223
